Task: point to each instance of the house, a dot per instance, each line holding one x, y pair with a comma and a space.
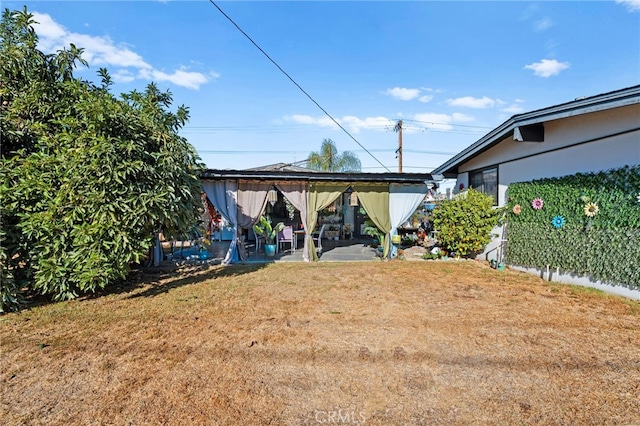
589, 134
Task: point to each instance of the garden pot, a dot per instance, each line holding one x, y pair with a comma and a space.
270, 250
203, 254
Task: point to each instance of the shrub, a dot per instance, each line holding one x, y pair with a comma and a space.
464, 224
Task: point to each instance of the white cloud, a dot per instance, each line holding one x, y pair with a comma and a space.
123, 76
102, 51
458, 116
350, 122
428, 120
47, 27
632, 5
542, 24
356, 124
547, 67
403, 94
513, 109
188, 79
434, 120
529, 11
471, 102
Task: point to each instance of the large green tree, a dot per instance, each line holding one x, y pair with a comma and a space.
329, 160
86, 179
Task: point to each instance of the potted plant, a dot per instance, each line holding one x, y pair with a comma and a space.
372, 230
264, 229
348, 233
332, 232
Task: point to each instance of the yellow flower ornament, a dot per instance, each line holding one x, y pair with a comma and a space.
591, 209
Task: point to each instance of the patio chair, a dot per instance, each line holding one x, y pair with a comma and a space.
259, 239
287, 236
317, 238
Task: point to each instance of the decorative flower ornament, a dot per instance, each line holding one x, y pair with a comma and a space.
517, 209
558, 221
537, 204
591, 209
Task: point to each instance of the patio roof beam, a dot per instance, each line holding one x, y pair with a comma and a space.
314, 176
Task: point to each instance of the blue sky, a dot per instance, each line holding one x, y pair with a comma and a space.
452, 71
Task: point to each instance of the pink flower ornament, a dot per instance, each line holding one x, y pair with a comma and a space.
537, 204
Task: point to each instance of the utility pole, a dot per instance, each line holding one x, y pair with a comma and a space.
398, 128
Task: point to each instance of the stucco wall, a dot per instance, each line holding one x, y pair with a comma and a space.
596, 150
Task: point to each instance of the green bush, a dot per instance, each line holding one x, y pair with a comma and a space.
464, 224
605, 246
86, 179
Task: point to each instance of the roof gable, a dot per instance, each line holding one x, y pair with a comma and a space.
530, 120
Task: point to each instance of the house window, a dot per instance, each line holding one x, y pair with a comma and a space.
485, 181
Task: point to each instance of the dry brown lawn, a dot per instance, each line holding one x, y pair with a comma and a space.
376, 343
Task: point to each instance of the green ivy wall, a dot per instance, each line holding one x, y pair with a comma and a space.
587, 224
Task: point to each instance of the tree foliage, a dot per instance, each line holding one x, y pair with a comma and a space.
464, 224
329, 160
87, 179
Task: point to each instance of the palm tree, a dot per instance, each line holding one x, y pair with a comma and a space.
328, 159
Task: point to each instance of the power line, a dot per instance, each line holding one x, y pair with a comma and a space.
271, 151
297, 85
449, 132
447, 124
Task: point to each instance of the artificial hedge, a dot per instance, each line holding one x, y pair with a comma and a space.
587, 224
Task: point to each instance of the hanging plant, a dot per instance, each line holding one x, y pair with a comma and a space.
517, 209
591, 209
537, 204
558, 222
291, 210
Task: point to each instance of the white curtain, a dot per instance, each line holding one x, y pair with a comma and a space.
347, 211
252, 199
404, 199
223, 194
296, 193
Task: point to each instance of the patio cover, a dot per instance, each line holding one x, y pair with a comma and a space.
240, 196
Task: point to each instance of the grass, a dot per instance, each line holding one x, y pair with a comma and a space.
373, 343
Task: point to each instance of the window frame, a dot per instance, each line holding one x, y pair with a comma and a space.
481, 172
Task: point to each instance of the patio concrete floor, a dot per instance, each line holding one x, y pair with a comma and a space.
333, 251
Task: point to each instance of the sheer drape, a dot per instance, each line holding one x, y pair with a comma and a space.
223, 195
375, 200
296, 193
319, 196
403, 201
252, 199
348, 212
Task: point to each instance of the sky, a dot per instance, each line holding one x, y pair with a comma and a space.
451, 71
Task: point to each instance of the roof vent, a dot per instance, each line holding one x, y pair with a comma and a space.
530, 133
